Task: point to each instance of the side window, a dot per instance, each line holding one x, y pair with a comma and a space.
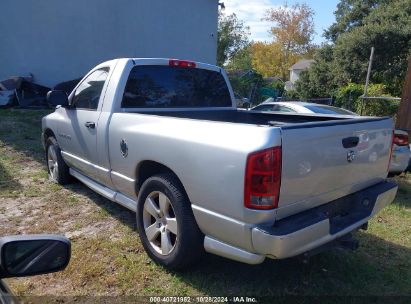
88, 92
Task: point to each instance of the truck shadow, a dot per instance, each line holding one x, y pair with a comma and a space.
114, 210
378, 268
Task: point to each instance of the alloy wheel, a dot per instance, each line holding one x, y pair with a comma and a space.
52, 162
160, 223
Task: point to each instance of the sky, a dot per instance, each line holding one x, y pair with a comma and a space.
251, 12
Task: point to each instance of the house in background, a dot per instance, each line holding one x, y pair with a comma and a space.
60, 40
295, 71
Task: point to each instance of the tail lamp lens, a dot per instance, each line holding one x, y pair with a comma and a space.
401, 139
263, 179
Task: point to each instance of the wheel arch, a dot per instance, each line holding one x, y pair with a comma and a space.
46, 134
148, 168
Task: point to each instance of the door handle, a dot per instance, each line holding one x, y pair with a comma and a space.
90, 125
350, 142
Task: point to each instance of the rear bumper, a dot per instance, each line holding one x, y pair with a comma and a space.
315, 227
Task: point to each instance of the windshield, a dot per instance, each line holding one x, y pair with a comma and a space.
322, 109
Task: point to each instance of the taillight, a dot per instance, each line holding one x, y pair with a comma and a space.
263, 179
181, 63
401, 139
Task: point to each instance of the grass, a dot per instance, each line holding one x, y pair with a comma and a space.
108, 258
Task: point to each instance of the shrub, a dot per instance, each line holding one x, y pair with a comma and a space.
348, 97
277, 85
291, 94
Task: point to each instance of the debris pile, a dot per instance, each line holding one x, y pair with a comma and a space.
23, 92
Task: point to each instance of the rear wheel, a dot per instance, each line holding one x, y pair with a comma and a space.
160, 223
166, 223
57, 168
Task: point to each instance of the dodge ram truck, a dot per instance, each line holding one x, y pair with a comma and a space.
163, 138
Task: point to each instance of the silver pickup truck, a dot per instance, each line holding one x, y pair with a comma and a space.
163, 138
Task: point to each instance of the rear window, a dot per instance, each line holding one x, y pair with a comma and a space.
328, 110
160, 86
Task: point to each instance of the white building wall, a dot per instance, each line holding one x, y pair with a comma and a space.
60, 40
294, 75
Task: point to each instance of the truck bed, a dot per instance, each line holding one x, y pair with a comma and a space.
256, 118
315, 152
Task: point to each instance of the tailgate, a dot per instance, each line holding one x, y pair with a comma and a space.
327, 160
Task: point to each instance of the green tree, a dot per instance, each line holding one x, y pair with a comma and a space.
388, 29
318, 80
350, 14
241, 60
386, 25
249, 86
232, 37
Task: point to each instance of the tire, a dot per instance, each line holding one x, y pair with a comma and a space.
166, 224
56, 167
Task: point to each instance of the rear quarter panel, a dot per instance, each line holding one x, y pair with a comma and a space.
208, 157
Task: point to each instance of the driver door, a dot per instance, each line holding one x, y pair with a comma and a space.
78, 131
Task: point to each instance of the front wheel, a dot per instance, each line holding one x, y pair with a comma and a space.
56, 167
166, 224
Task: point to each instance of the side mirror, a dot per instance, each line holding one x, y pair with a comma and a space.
22, 256
57, 98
